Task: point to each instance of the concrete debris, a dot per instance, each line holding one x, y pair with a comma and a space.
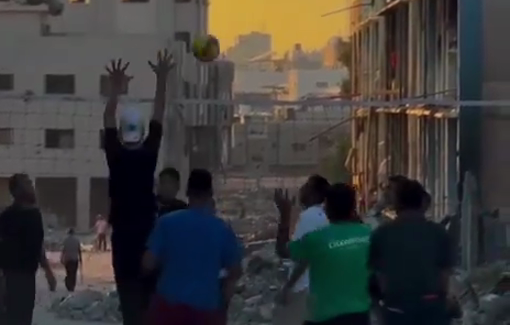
257, 289
484, 295
252, 304
88, 305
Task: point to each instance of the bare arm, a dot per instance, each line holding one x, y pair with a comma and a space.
118, 81
229, 284
296, 274
159, 101
283, 236
149, 262
284, 205
110, 112
161, 68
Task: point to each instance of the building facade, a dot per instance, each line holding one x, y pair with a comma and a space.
53, 85
291, 141
424, 49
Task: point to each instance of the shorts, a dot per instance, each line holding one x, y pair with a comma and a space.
162, 313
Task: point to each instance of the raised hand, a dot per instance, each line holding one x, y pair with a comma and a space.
117, 74
164, 64
284, 205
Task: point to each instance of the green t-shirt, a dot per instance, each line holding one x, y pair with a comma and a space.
337, 258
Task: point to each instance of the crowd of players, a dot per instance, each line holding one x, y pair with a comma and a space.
177, 263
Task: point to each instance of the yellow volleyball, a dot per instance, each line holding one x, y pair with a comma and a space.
206, 48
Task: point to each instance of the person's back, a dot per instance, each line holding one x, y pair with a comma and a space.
131, 179
412, 259
337, 258
410, 250
189, 248
192, 256
71, 248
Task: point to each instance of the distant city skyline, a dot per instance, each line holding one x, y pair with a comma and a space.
288, 22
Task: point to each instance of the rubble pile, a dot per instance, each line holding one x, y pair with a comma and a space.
88, 305
252, 304
484, 295
257, 289
251, 214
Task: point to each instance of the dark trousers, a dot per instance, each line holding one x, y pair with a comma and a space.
432, 312
102, 245
134, 297
18, 298
347, 319
71, 275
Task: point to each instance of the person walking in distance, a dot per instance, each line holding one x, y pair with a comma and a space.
169, 184
190, 247
336, 256
292, 308
71, 258
22, 252
132, 160
412, 259
101, 233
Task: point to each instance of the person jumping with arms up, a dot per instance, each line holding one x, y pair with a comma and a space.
132, 161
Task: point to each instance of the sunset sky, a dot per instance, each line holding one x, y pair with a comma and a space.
289, 21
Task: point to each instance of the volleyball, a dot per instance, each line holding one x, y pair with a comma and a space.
206, 48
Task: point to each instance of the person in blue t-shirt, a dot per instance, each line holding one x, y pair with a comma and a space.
190, 247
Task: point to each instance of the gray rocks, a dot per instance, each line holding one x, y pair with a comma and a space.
257, 289
88, 305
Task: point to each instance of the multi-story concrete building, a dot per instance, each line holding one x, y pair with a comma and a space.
52, 85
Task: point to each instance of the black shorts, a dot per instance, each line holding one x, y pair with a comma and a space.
346, 319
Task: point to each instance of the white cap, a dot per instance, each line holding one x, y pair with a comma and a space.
132, 126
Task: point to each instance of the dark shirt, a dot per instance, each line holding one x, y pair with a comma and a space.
21, 239
170, 206
410, 255
131, 190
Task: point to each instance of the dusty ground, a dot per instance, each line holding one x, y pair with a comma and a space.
97, 273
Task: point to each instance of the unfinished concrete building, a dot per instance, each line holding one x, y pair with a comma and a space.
433, 49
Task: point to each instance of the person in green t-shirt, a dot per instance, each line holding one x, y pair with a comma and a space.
337, 259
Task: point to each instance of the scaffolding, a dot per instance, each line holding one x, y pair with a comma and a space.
407, 50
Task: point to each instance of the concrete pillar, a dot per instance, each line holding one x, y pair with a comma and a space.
83, 203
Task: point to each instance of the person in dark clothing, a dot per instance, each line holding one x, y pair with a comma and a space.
412, 260
21, 252
71, 258
169, 183
132, 160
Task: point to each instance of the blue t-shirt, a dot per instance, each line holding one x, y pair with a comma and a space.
193, 245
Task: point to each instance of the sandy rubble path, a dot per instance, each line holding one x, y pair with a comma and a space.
98, 275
